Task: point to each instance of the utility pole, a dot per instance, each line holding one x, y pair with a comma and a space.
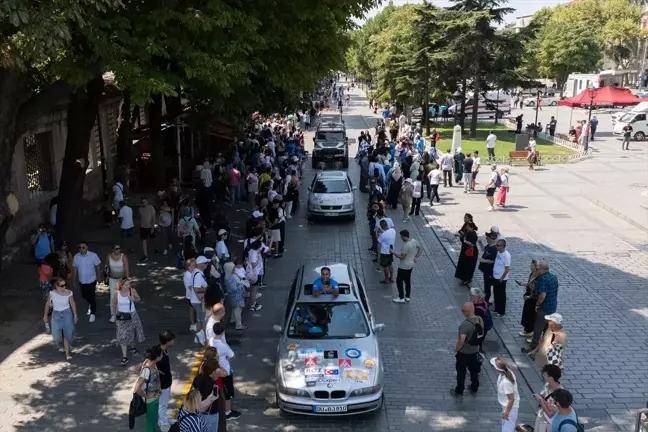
643, 63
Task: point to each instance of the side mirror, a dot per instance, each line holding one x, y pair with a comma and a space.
313, 139
277, 328
379, 327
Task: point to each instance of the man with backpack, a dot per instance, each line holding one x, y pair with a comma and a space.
492, 185
471, 331
565, 420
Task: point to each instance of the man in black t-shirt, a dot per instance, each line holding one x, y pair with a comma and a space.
164, 366
205, 383
467, 172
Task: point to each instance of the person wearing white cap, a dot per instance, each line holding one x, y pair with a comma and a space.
507, 393
221, 248
551, 348
198, 288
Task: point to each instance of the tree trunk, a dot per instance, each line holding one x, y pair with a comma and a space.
124, 141
81, 116
158, 176
476, 88
462, 119
174, 104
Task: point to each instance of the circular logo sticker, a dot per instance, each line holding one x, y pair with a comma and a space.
369, 364
352, 353
292, 346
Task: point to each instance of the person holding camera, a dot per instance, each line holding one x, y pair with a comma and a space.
42, 243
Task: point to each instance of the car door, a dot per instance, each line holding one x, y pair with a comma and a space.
364, 301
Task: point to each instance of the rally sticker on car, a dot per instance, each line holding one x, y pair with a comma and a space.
356, 374
313, 371
310, 361
330, 354
293, 346
352, 353
310, 352
344, 363
328, 380
329, 371
369, 364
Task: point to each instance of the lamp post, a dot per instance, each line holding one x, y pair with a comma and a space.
536, 105
457, 97
592, 93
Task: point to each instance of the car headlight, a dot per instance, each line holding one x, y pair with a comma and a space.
315, 207
293, 392
347, 207
366, 391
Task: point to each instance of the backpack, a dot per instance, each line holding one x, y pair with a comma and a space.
579, 426
476, 335
498, 181
185, 227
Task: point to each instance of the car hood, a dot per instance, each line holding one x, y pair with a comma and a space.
345, 364
332, 199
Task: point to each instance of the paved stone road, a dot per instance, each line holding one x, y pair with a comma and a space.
598, 258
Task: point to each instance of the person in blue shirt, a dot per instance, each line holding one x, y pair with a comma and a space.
420, 143
325, 284
42, 243
565, 420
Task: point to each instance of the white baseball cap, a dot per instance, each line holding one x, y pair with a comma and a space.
555, 317
257, 214
202, 260
495, 229
222, 231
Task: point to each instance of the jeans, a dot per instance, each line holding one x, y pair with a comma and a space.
237, 312
404, 277
467, 179
488, 284
163, 416
499, 291
626, 142
416, 206
447, 177
211, 420
428, 188
470, 362
152, 415
435, 192
539, 326
491, 153
62, 326
235, 193
88, 292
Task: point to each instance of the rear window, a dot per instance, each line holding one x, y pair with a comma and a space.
330, 136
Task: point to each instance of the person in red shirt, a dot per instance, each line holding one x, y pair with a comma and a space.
235, 185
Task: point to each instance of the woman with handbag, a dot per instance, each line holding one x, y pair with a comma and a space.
530, 299
147, 386
116, 269
469, 254
129, 326
64, 316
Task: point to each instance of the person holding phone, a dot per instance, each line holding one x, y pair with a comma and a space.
205, 383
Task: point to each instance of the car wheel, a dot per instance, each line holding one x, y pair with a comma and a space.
352, 218
554, 103
314, 163
530, 104
639, 136
345, 163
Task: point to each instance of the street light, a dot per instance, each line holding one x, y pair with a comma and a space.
592, 94
457, 97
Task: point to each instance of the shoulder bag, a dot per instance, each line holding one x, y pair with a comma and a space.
125, 316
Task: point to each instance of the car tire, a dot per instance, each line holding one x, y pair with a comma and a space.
345, 163
554, 103
352, 217
314, 163
639, 136
530, 104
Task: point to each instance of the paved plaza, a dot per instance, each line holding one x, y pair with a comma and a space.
599, 257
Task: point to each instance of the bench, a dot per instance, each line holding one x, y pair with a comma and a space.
521, 156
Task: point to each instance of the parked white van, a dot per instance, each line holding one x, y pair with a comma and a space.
637, 119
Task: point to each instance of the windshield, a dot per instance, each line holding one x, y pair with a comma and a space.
331, 186
328, 321
330, 136
627, 118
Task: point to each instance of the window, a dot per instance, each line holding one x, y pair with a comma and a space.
322, 186
38, 163
291, 296
328, 321
330, 136
639, 117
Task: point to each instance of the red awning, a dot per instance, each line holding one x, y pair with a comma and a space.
602, 96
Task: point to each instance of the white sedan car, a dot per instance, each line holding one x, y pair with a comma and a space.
545, 101
331, 196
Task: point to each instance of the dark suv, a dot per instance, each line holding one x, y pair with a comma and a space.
331, 144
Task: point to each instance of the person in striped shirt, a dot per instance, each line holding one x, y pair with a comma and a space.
190, 419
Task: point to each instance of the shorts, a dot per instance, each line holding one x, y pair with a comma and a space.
475, 174
200, 313
127, 232
490, 192
228, 384
145, 233
275, 235
386, 260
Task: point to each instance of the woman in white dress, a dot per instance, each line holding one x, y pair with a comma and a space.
64, 316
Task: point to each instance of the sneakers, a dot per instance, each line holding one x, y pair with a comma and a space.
193, 327
89, 311
398, 300
112, 319
407, 299
92, 318
490, 208
525, 334
144, 258
256, 307
124, 361
164, 252
258, 296
529, 340
232, 415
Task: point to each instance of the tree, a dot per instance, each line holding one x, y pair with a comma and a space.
621, 32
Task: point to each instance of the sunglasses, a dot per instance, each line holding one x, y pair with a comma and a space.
116, 248
83, 247
61, 285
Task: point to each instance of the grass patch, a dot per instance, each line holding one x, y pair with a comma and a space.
505, 140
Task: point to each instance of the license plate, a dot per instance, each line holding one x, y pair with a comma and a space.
330, 214
330, 409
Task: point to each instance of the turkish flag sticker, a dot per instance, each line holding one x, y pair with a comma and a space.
310, 361
344, 363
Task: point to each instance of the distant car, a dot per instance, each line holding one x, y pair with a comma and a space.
331, 196
328, 358
545, 101
331, 144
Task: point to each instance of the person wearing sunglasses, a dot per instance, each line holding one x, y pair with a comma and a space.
64, 316
87, 270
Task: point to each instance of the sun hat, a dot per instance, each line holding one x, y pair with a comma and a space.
202, 260
555, 317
